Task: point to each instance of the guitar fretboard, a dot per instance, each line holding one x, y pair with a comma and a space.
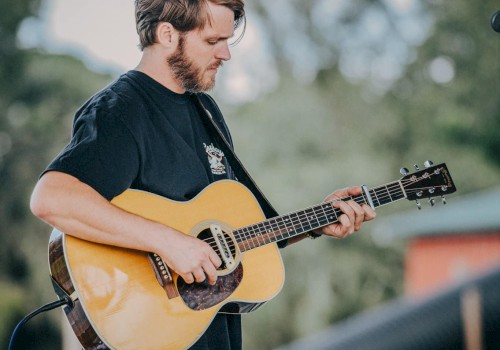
289, 225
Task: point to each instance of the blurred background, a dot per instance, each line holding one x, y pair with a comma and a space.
319, 95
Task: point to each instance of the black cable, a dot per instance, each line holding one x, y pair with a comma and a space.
47, 307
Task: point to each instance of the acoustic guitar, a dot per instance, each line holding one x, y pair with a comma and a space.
127, 299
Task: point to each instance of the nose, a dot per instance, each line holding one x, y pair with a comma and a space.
223, 52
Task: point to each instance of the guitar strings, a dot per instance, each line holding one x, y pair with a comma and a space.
300, 222
255, 234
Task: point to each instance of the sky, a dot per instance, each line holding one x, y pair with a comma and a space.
102, 33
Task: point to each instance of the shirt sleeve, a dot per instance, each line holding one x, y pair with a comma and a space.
102, 152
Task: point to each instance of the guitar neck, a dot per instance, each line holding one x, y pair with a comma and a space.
290, 225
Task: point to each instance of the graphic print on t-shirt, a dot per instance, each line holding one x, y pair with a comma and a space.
215, 157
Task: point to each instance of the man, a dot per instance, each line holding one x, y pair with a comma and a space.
144, 131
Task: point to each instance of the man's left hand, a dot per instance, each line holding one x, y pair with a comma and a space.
353, 214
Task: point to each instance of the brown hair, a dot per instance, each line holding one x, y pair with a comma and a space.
184, 15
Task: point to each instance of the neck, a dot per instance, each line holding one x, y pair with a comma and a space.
155, 65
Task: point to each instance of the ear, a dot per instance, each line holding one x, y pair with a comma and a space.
167, 36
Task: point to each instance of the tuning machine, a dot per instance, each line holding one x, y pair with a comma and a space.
419, 206
404, 172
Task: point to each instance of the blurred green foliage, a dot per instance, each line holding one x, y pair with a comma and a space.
38, 95
300, 142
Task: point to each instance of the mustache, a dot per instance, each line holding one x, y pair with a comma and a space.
216, 65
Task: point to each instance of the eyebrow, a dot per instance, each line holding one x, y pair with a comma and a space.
217, 36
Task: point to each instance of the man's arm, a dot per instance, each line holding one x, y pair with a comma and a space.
73, 207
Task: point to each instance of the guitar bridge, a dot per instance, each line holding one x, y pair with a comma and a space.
163, 275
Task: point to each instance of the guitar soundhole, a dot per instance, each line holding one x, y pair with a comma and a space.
206, 236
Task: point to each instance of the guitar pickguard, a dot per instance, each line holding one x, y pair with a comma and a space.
201, 296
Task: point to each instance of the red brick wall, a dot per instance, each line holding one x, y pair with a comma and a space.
439, 261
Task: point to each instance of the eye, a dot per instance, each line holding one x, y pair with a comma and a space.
212, 41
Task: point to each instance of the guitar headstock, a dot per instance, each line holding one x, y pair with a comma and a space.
434, 180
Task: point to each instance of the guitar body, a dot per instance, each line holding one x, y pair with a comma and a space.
120, 303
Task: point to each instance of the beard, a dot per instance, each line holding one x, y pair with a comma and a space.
187, 74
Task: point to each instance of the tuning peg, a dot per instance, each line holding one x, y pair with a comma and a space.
419, 206
416, 167
404, 171
443, 200
431, 202
428, 163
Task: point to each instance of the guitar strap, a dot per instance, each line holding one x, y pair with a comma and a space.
239, 170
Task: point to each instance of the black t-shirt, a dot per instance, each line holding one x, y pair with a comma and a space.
138, 134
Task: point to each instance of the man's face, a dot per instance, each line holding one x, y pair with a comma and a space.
201, 52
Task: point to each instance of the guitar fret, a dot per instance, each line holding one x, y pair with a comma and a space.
383, 194
361, 199
306, 224
296, 221
237, 235
334, 212
282, 228
249, 241
252, 232
317, 216
307, 220
398, 193
255, 234
261, 230
330, 212
375, 197
274, 229
286, 220
313, 219
388, 192
268, 229
293, 221
326, 217
244, 244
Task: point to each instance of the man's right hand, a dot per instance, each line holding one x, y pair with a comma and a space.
191, 258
